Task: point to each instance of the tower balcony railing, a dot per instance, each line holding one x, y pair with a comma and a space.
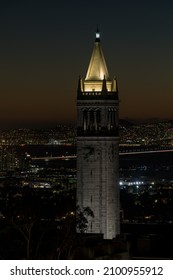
96, 95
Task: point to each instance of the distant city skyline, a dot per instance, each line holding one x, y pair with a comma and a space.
45, 45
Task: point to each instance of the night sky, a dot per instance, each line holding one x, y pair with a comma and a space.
45, 46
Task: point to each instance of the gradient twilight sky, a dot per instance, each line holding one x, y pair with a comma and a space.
45, 46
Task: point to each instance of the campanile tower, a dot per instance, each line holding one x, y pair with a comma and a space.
97, 146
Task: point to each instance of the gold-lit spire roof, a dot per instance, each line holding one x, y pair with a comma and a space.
97, 69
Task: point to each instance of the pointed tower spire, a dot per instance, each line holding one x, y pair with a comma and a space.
97, 67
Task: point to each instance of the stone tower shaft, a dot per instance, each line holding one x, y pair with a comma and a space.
97, 146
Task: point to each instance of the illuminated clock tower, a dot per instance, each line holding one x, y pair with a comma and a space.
97, 146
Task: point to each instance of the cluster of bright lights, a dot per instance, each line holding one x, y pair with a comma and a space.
135, 183
41, 185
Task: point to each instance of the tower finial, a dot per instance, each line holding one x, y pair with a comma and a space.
104, 88
80, 87
97, 35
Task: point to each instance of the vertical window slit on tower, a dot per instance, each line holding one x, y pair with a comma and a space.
91, 119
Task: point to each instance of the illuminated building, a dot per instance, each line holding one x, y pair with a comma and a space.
8, 159
97, 146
